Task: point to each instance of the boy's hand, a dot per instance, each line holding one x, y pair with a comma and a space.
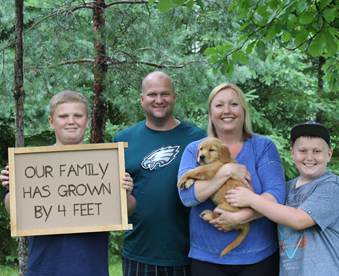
239, 197
127, 183
4, 177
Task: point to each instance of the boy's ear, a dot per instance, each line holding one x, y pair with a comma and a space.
330, 152
51, 122
292, 152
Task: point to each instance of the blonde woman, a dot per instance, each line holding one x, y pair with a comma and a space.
259, 163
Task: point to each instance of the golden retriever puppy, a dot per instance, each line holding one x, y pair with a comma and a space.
212, 155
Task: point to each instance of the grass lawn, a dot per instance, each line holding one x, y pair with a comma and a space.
9, 270
114, 270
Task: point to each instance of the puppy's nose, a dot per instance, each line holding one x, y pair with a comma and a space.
202, 157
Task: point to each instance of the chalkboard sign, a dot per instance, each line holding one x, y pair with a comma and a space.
67, 189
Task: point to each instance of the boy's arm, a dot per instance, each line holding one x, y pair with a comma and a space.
284, 215
228, 221
7, 203
4, 177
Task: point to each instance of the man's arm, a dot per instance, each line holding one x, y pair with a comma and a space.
131, 204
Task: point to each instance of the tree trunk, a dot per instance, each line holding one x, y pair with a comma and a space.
321, 73
100, 70
19, 96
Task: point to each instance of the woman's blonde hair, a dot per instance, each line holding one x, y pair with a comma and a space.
247, 128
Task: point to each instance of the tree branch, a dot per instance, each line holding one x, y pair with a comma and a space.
71, 10
116, 62
129, 2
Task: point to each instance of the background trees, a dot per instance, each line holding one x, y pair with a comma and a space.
283, 54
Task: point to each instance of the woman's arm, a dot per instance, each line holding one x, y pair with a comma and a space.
203, 189
270, 185
131, 204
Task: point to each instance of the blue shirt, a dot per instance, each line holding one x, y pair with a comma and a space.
262, 160
84, 254
313, 250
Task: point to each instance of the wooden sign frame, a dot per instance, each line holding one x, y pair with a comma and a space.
67, 189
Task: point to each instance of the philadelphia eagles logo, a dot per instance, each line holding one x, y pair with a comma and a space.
159, 158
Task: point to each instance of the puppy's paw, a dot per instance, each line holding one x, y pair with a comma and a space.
208, 215
189, 183
181, 182
181, 185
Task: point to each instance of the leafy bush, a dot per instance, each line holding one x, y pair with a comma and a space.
116, 243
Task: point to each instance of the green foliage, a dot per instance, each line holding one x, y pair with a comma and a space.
8, 246
268, 48
166, 5
115, 245
7, 270
115, 268
284, 82
311, 27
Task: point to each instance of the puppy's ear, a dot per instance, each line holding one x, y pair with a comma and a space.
197, 159
225, 155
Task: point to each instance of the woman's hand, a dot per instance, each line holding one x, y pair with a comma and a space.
236, 171
4, 177
127, 183
205, 188
227, 221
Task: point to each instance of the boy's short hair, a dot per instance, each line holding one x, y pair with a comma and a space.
67, 96
311, 129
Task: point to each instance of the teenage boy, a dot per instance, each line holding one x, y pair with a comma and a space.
69, 254
308, 224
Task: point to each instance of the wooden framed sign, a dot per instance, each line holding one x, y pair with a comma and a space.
67, 189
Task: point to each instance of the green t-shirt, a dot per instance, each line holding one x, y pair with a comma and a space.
160, 234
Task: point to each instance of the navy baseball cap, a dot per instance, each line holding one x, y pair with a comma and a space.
312, 129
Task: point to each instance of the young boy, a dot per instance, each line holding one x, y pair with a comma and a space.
308, 224
69, 254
